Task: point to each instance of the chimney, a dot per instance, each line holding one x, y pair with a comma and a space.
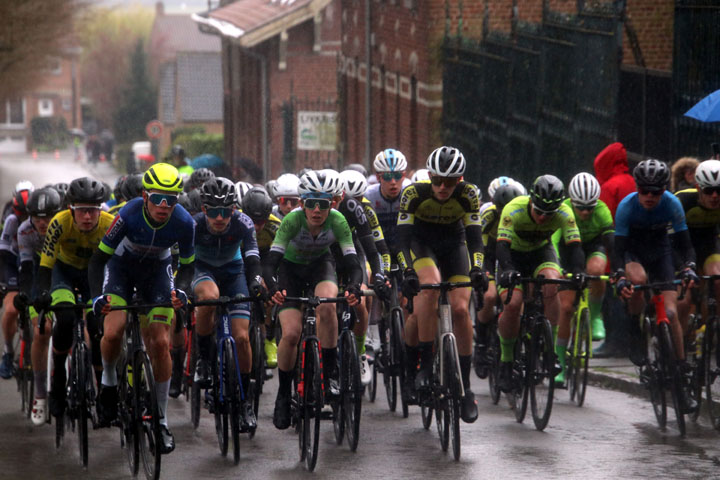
159, 9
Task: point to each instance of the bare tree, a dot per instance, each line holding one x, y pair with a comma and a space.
32, 33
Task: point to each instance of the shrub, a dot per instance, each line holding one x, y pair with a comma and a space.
49, 132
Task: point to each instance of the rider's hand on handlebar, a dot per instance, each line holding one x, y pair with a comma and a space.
21, 301
178, 298
101, 305
42, 301
279, 296
479, 279
506, 278
354, 293
689, 275
411, 283
381, 287
255, 287
623, 287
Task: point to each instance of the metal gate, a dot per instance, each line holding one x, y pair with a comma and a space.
542, 99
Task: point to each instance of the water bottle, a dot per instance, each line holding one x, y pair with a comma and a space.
699, 335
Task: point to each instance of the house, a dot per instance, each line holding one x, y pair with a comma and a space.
57, 94
279, 82
188, 69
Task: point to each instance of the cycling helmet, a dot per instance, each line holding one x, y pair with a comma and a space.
270, 187
191, 201
520, 186
61, 188
218, 192
132, 186
505, 193
584, 189
199, 177
117, 189
358, 167
164, 177
497, 182
337, 181
317, 184
446, 162
107, 192
390, 160
20, 201
178, 151
354, 182
547, 193
241, 189
707, 174
420, 175
257, 204
287, 185
85, 190
24, 185
45, 202
651, 175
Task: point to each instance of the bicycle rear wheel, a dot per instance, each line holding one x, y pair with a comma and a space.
542, 373
711, 357
494, 354
693, 355
399, 357
232, 397
390, 355
580, 360
453, 386
312, 404
654, 373
258, 370
191, 357
372, 386
148, 415
672, 375
195, 391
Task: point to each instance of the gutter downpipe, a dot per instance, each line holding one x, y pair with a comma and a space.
264, 96
368, 86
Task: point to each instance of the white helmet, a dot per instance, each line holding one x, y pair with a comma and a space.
707, 174
446, 162
24, 185
354, 182
319, 184
286, 186
519, 185
336, 179
584, 189
420, 175
496, 183
390, 160
241, 189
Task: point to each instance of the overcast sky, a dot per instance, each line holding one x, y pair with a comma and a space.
171, 6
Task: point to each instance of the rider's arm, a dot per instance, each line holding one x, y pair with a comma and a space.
378, 236
250, 249
44, 279
354, 214
186, 244
269, 267
368, 245
25, 277
683, 246
608, 241
503, 252
405, 223
473, 224
96, 269
576, 257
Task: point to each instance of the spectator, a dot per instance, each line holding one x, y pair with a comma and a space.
611, 170
683, 174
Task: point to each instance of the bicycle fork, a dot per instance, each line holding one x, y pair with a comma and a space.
445, 330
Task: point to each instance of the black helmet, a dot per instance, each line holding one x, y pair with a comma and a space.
191, 201
547, 192
358, 168
117, 189
218, 192
199, 177
45, 202
107, 192
505, 193
257, 204
132, 186
651, 175
178, 151
61, 188
85, 190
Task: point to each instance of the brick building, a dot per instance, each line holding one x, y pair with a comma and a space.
279, 82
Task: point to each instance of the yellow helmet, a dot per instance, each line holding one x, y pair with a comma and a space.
163, 176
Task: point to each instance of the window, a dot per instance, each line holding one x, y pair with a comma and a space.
14, 112
45, 107
54, 66
67, 104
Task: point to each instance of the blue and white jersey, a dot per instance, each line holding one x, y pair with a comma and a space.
649, 227
226, 249
131, 235
8, 239
387, 211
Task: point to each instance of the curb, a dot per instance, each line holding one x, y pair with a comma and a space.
613, 380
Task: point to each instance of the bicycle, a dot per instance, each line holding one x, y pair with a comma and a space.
661, 371
487, 363
390, 360
24, 370
257, 343
226, 395
446, 386
535, 362
711, 353
80, 395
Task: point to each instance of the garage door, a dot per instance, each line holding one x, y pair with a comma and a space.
12, 144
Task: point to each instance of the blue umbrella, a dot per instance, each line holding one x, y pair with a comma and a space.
707, 109
206, 160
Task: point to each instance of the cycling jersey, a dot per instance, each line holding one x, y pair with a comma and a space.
30, 242
225, 249
489, 220
596, 232
267, 234
114, 209
133, 236
358, 222
442, 224
703, 223
66, 243
378, 235
518, 228
387, 213
8, 239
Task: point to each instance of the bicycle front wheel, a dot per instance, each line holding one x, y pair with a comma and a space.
542, 373
453, 386
711, 358
232, 397
81, 365
494, 354
672, 375
399, 357
312, 403
654, 373
146, 405
129, 438
258, 370
518, 397
352, 395
580, 360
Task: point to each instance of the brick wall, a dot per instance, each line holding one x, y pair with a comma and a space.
653, 22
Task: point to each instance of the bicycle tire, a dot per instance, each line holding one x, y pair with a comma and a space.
453, 387
149, 415
571, 355
518, 398
338, 404
542, 377
191, 358
195, 390
312, 403
672, 375
258, 371
494, 353
82, 409
129, 438
426, 414
221, 416
691, 355
711, 357
232, 397
372, 386
391, 358
29, 389
581, 359
655, 383
352, 396
399, 357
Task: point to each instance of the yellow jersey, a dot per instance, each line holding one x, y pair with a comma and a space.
64, 242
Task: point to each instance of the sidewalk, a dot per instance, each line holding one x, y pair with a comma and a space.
615, 374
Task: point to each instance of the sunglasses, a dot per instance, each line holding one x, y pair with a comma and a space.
586, 208
389, 176
86, 210
321, 203
213, 212
546, 213
447, 181
653, 193
158, 199
293, 201
711, 190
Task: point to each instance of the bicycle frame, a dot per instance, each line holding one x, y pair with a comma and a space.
223, 334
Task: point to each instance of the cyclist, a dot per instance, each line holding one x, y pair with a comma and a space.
643, 252
130, 188
286, 194
198, 179
136, 252
9, 271
257, 205
69, 243
180, 161
438, 235
597, 234
490, 219
191, 201
524, 248
227, 263
42, 206
300, 255
241, 189
702, 215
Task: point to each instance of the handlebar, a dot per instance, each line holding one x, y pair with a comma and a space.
443, 287
315, 301
540, 280
58, 308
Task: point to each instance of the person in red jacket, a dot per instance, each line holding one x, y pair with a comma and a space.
611, 170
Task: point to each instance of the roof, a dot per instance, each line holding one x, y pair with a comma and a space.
199, 84
179, 33
250, 22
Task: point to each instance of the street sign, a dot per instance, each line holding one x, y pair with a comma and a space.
154, 129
